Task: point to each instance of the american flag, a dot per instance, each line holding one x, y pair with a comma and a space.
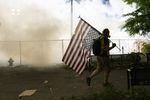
79, 48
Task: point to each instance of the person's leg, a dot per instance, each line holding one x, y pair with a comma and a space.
107, 70
95, 72
98, 68
106, 75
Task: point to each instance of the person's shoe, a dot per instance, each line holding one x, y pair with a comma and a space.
88, 81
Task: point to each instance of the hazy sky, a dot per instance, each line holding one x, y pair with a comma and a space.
50, 19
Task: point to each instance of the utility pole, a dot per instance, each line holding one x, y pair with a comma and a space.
71, 19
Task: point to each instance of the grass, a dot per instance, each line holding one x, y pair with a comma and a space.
110, 93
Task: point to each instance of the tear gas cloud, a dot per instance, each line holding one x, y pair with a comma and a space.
26, 31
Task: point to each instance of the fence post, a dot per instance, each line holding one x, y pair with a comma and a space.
122, 50
119, 44
62, 47
20, 51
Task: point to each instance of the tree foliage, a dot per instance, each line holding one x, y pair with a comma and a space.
146, 47
139, 20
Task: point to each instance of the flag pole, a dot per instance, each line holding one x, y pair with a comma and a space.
97, 30
90, 25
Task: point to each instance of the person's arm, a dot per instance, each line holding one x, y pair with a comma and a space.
107, 48
113, 45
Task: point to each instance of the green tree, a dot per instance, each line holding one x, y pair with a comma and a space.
146, 47
139, 20
143, 46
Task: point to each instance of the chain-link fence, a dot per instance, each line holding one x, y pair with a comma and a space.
44, 53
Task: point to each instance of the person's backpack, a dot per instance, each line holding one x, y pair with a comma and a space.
96, 46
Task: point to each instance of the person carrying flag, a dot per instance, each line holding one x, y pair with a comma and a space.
103, 62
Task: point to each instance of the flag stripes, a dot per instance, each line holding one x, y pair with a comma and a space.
72, 43
77, 52
76, 55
